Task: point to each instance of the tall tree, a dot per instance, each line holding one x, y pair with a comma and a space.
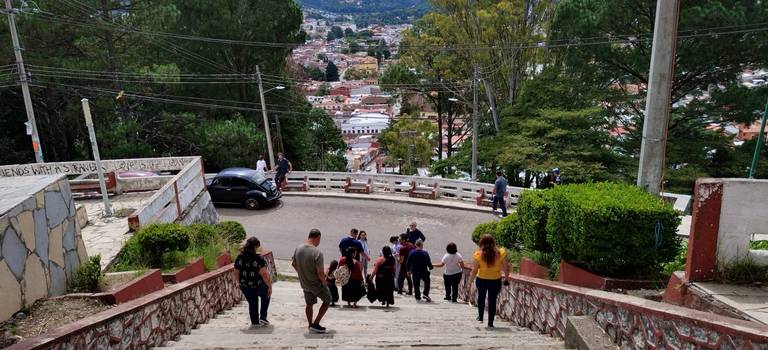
331, 72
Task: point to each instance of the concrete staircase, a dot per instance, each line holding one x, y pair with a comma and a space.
408, 324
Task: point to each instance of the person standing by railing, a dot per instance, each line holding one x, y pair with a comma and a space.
500, 191
261, 165
283, 167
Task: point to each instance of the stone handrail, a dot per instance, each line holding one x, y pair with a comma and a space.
172, 200
446, 188
400, 184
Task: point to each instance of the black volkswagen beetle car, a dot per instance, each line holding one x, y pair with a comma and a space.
243, 186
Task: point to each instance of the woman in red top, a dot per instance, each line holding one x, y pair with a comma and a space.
354, 290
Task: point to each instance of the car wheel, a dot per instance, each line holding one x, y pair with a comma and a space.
252, 203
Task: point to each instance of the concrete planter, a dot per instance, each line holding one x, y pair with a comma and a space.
193, 269
149, 282
576, 276
530, 268
224, 259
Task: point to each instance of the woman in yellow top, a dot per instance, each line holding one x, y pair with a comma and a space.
490, 262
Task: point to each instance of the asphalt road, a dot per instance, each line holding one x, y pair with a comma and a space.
283, 227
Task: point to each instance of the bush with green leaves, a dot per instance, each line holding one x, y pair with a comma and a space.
507, 233
678, 264
487, 228
158, 239
202, 234
532, 212
612, 229
231, 230
87, 277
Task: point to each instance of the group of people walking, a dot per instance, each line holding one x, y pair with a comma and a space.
404, 261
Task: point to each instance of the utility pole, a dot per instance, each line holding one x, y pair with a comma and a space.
410, 134
96, 157
759, 145
474, 125
266, 120
654, 144
36, 147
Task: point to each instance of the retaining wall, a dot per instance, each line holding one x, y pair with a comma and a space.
150, 320
631, 322
40, 242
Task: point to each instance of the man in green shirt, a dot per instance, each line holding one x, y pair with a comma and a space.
308, 263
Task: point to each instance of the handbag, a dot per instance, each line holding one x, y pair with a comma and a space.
342, 275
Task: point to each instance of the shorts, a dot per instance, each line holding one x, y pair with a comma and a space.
322, 293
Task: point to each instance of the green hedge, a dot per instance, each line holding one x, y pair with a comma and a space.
232, 230
612, 229
505, 232
486, 228
533, 210
158, 239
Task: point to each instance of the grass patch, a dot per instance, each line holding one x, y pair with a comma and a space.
758, 245
744, 271
207, 241
281, 277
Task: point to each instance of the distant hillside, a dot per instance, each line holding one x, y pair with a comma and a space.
364, 6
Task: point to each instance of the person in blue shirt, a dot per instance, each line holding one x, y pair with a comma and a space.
419, 264
351, 241
500, 192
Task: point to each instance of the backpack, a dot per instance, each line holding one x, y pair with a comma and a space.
342, 275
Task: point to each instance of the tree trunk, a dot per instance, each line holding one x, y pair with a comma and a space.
490, 93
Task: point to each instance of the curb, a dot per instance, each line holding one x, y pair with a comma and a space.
394, 199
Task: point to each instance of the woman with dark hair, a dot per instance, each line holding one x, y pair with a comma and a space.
354, 290
490, 262
454, 268
384, 274
255, 282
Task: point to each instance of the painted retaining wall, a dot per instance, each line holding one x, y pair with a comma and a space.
631, 322
150, 320
40, 242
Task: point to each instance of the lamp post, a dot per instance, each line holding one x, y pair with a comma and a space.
96, 156
266, 119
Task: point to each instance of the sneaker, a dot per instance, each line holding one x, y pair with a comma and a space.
427, 298
490, 325
447, 298
264, 322
418, 298
479, 318
316, 328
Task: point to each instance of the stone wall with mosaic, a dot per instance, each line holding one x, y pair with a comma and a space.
40, 242
632, 323
149, 321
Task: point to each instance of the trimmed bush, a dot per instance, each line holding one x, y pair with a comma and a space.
87, 277
612, 229
532, 211
507, 233
232, 230
158, 239
202, 234
483, 229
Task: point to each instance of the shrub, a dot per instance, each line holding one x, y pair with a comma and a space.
202, 234
678, 264
130, 257
87, 277
232, 231
612, 229
532, 211
507, 233
483, 229
158, 239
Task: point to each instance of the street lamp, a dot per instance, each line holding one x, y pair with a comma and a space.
279, 87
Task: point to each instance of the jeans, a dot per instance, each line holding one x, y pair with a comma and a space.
252, 295
452, 285
492, 288
499, 200
279, 176
417, 279
403, 277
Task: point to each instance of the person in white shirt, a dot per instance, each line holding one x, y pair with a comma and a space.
365, 255
261, 165
454, 268
394, 244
